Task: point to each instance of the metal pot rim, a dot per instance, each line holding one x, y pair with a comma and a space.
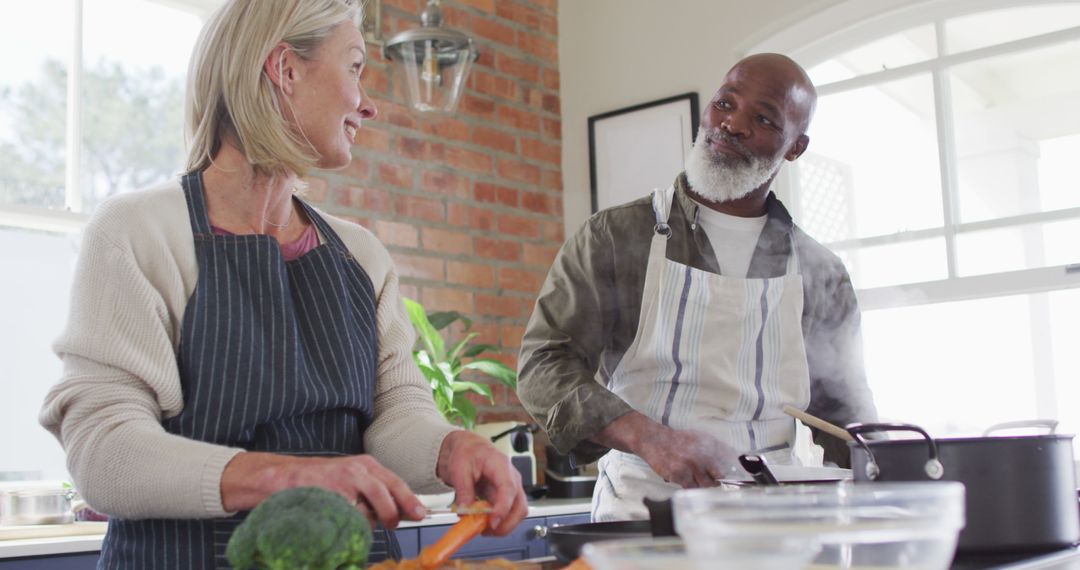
967, 440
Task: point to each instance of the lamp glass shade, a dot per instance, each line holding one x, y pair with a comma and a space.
434, 72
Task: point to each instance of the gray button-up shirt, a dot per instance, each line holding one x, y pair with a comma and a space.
587, 313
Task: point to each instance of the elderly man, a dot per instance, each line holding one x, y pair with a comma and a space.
704, 309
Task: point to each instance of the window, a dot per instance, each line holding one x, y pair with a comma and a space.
67, 141
942, 170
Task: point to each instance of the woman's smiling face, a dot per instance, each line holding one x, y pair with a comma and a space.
328, 103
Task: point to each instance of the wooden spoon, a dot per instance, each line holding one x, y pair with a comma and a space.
814, 421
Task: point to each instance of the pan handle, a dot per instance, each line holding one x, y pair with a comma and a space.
933, 468
1048, 424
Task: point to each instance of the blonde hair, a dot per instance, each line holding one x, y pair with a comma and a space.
228, 93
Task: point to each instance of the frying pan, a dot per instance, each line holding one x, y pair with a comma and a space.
566, 542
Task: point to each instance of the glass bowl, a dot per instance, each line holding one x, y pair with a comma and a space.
667, 553
879, 525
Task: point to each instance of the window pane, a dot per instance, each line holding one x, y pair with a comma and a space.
896, 264
133, 98
1017, 355
1008, 111
1058, 186
34, 306
872, 164
33, 101
1021, 247
927, 363
1064, 338
907, 47
1000, 26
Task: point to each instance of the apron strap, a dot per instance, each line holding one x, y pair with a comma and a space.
323, 227
661, 204
793, 267
196, 203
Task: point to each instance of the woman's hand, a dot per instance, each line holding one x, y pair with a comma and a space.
381, 495
474, 468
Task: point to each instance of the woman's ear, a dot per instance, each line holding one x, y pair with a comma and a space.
280, 67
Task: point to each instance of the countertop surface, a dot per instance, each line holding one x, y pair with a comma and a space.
87, 537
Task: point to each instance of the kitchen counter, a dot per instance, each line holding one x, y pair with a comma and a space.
539, 508
92, 542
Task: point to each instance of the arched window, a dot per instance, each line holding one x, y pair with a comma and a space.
943, 168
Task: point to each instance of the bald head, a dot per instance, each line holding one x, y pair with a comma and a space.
784, 78
756, 120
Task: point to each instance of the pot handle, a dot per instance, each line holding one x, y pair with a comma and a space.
933, 468
1048, 424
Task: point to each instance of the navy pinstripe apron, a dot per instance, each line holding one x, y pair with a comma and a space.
274, 356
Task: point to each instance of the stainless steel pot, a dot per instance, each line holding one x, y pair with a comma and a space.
1021, 490
36, 506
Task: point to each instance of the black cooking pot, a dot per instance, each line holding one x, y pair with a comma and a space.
1021, 490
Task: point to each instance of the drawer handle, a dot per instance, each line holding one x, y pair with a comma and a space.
539, 531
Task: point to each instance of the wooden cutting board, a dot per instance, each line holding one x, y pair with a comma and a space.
52, 530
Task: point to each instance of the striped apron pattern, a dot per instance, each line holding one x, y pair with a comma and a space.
274, 356
711, 353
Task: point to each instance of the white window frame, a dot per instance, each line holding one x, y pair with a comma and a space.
72, 218
852, 23
855, 22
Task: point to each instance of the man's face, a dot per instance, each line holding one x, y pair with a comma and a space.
728, 174
753, 123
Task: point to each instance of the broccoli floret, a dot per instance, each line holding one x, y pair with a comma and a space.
305, 528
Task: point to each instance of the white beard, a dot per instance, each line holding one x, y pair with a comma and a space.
722, 178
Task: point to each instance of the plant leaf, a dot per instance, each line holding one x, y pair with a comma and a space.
476, 349
431, 372
446, 391
429, 335
495, 369
466, 410
482, 389
455, 351
442, 319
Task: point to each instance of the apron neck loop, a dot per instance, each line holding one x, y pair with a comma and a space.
662, 203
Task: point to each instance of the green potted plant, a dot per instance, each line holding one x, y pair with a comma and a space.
443, 367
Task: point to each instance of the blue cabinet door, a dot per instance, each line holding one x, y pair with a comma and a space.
409, 540
86, 561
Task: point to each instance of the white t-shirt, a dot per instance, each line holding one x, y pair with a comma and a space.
733, 239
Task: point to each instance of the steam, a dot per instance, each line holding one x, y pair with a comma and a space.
721, 178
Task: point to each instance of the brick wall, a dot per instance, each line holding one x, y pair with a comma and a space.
469, 205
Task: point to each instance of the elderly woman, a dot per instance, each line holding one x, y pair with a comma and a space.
227, 340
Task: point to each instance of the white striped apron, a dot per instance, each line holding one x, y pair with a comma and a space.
712, 353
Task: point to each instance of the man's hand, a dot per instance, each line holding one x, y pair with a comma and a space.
475, 468
377, 492
687, 458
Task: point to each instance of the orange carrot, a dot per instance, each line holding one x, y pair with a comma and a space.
578, 564
463, 531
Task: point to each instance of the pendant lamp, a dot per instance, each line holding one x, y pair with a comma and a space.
433, 61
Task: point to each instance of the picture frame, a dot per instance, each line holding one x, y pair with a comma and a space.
638, 148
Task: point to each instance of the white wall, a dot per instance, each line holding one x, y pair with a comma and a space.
617, 53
